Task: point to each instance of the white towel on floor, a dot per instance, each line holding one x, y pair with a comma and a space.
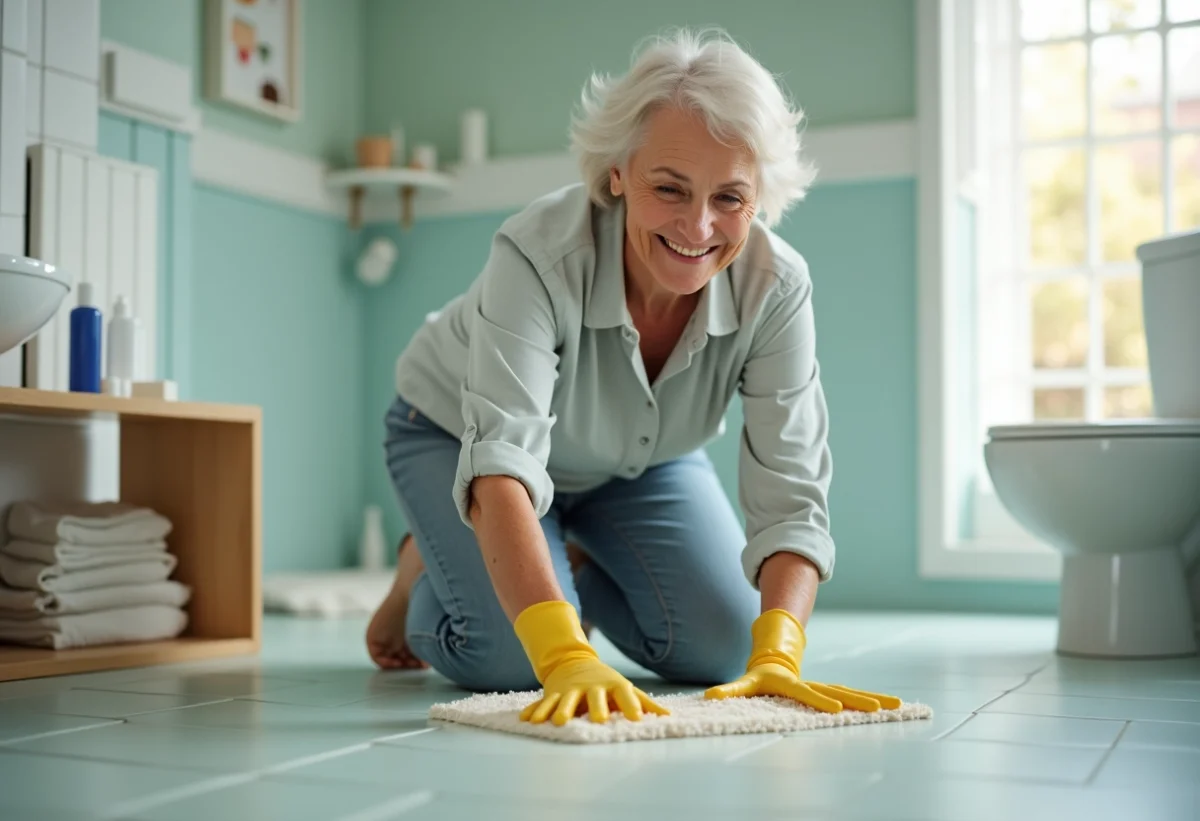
30, 604
52, 578
691, 715
125, 624
91, 523
70, 556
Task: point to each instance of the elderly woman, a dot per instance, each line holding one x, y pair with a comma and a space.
568, 394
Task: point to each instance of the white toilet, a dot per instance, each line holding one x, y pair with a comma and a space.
1119, 498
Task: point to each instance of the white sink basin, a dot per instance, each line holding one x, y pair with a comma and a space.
30, 293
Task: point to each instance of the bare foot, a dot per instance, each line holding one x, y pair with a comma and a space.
385, 633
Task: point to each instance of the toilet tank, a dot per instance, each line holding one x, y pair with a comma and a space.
1171, 312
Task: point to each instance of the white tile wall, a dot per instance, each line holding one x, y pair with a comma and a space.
33, 103
14, 28
12, 134
72, 43
70, 109
10, 368
96, 218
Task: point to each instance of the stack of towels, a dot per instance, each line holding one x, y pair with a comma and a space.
79, 574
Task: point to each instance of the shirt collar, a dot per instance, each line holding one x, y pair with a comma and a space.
606, 306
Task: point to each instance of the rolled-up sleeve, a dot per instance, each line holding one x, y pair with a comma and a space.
785, 465
511, 371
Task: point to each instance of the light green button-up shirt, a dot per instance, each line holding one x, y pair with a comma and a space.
536, 368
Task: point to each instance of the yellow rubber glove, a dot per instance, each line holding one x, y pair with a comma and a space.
774, 670
569, 670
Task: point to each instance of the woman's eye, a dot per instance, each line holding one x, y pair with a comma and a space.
668, 189
731, 199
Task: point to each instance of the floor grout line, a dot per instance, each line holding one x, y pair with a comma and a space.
1107, 754
391, 809
176, 794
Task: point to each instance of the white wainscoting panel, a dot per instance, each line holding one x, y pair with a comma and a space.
96, 218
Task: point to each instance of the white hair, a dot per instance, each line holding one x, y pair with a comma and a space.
706, 72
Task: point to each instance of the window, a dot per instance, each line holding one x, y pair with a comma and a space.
1062, 133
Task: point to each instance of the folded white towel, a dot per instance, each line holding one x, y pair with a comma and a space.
52, 578
21, 604
123, 624
83, 557
87, 523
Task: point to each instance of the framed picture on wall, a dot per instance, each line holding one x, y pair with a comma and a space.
252, 55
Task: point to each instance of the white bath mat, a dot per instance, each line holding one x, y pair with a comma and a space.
691, 715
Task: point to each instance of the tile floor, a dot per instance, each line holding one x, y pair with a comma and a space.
308, 730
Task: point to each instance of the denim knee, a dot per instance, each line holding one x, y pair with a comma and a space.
480, 662
705, 650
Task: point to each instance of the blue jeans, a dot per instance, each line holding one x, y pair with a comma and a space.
664, 584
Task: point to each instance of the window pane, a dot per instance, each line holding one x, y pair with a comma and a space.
1057, 403
1053, 86
1124, 334
1044, 19
1185, 76
1122, 15
1129, 177
1185, 157
1054, 184
1060, 323
1127, 72
1180, 10
1128, 401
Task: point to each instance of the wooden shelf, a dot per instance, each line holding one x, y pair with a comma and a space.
200, 465
406, 181
30, 662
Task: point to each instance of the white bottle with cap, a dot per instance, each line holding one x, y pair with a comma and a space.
124, 342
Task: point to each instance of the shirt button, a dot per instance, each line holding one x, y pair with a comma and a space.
631, 470
645, 440
649, 403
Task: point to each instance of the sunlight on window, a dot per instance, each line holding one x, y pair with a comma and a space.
1057, 404
1057, 217
1184, 53
1124, 331
1060, 324
1046, 19
1129, 176
1128, 401
1053, 86
1127, 83
1120, 15
1181, 10
1185, 156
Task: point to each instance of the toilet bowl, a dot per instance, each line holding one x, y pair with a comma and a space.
1118, 499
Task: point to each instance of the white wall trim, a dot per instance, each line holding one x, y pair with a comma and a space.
942, 552
843, 154
235, 163
146, 88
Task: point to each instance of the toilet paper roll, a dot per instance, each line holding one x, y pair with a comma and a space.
473, 137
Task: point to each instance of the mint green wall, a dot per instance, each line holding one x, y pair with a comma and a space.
333, 69
276, 324
525, 61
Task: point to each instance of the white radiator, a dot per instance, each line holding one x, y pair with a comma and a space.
97, 219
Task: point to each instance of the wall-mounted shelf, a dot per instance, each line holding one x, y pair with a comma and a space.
407, 181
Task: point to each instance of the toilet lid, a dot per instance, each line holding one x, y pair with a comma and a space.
1107, 429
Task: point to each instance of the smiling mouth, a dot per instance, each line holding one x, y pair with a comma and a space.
687, 253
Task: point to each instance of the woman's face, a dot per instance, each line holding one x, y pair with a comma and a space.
689, 203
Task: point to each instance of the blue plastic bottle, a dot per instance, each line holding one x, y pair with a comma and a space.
86, 334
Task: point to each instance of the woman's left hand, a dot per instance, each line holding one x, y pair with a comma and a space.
774, 670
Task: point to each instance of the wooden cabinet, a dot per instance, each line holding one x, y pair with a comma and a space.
200, 465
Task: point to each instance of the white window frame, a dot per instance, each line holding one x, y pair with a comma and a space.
946, 158
950, 146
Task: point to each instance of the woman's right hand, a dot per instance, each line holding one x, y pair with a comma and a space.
573, 678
